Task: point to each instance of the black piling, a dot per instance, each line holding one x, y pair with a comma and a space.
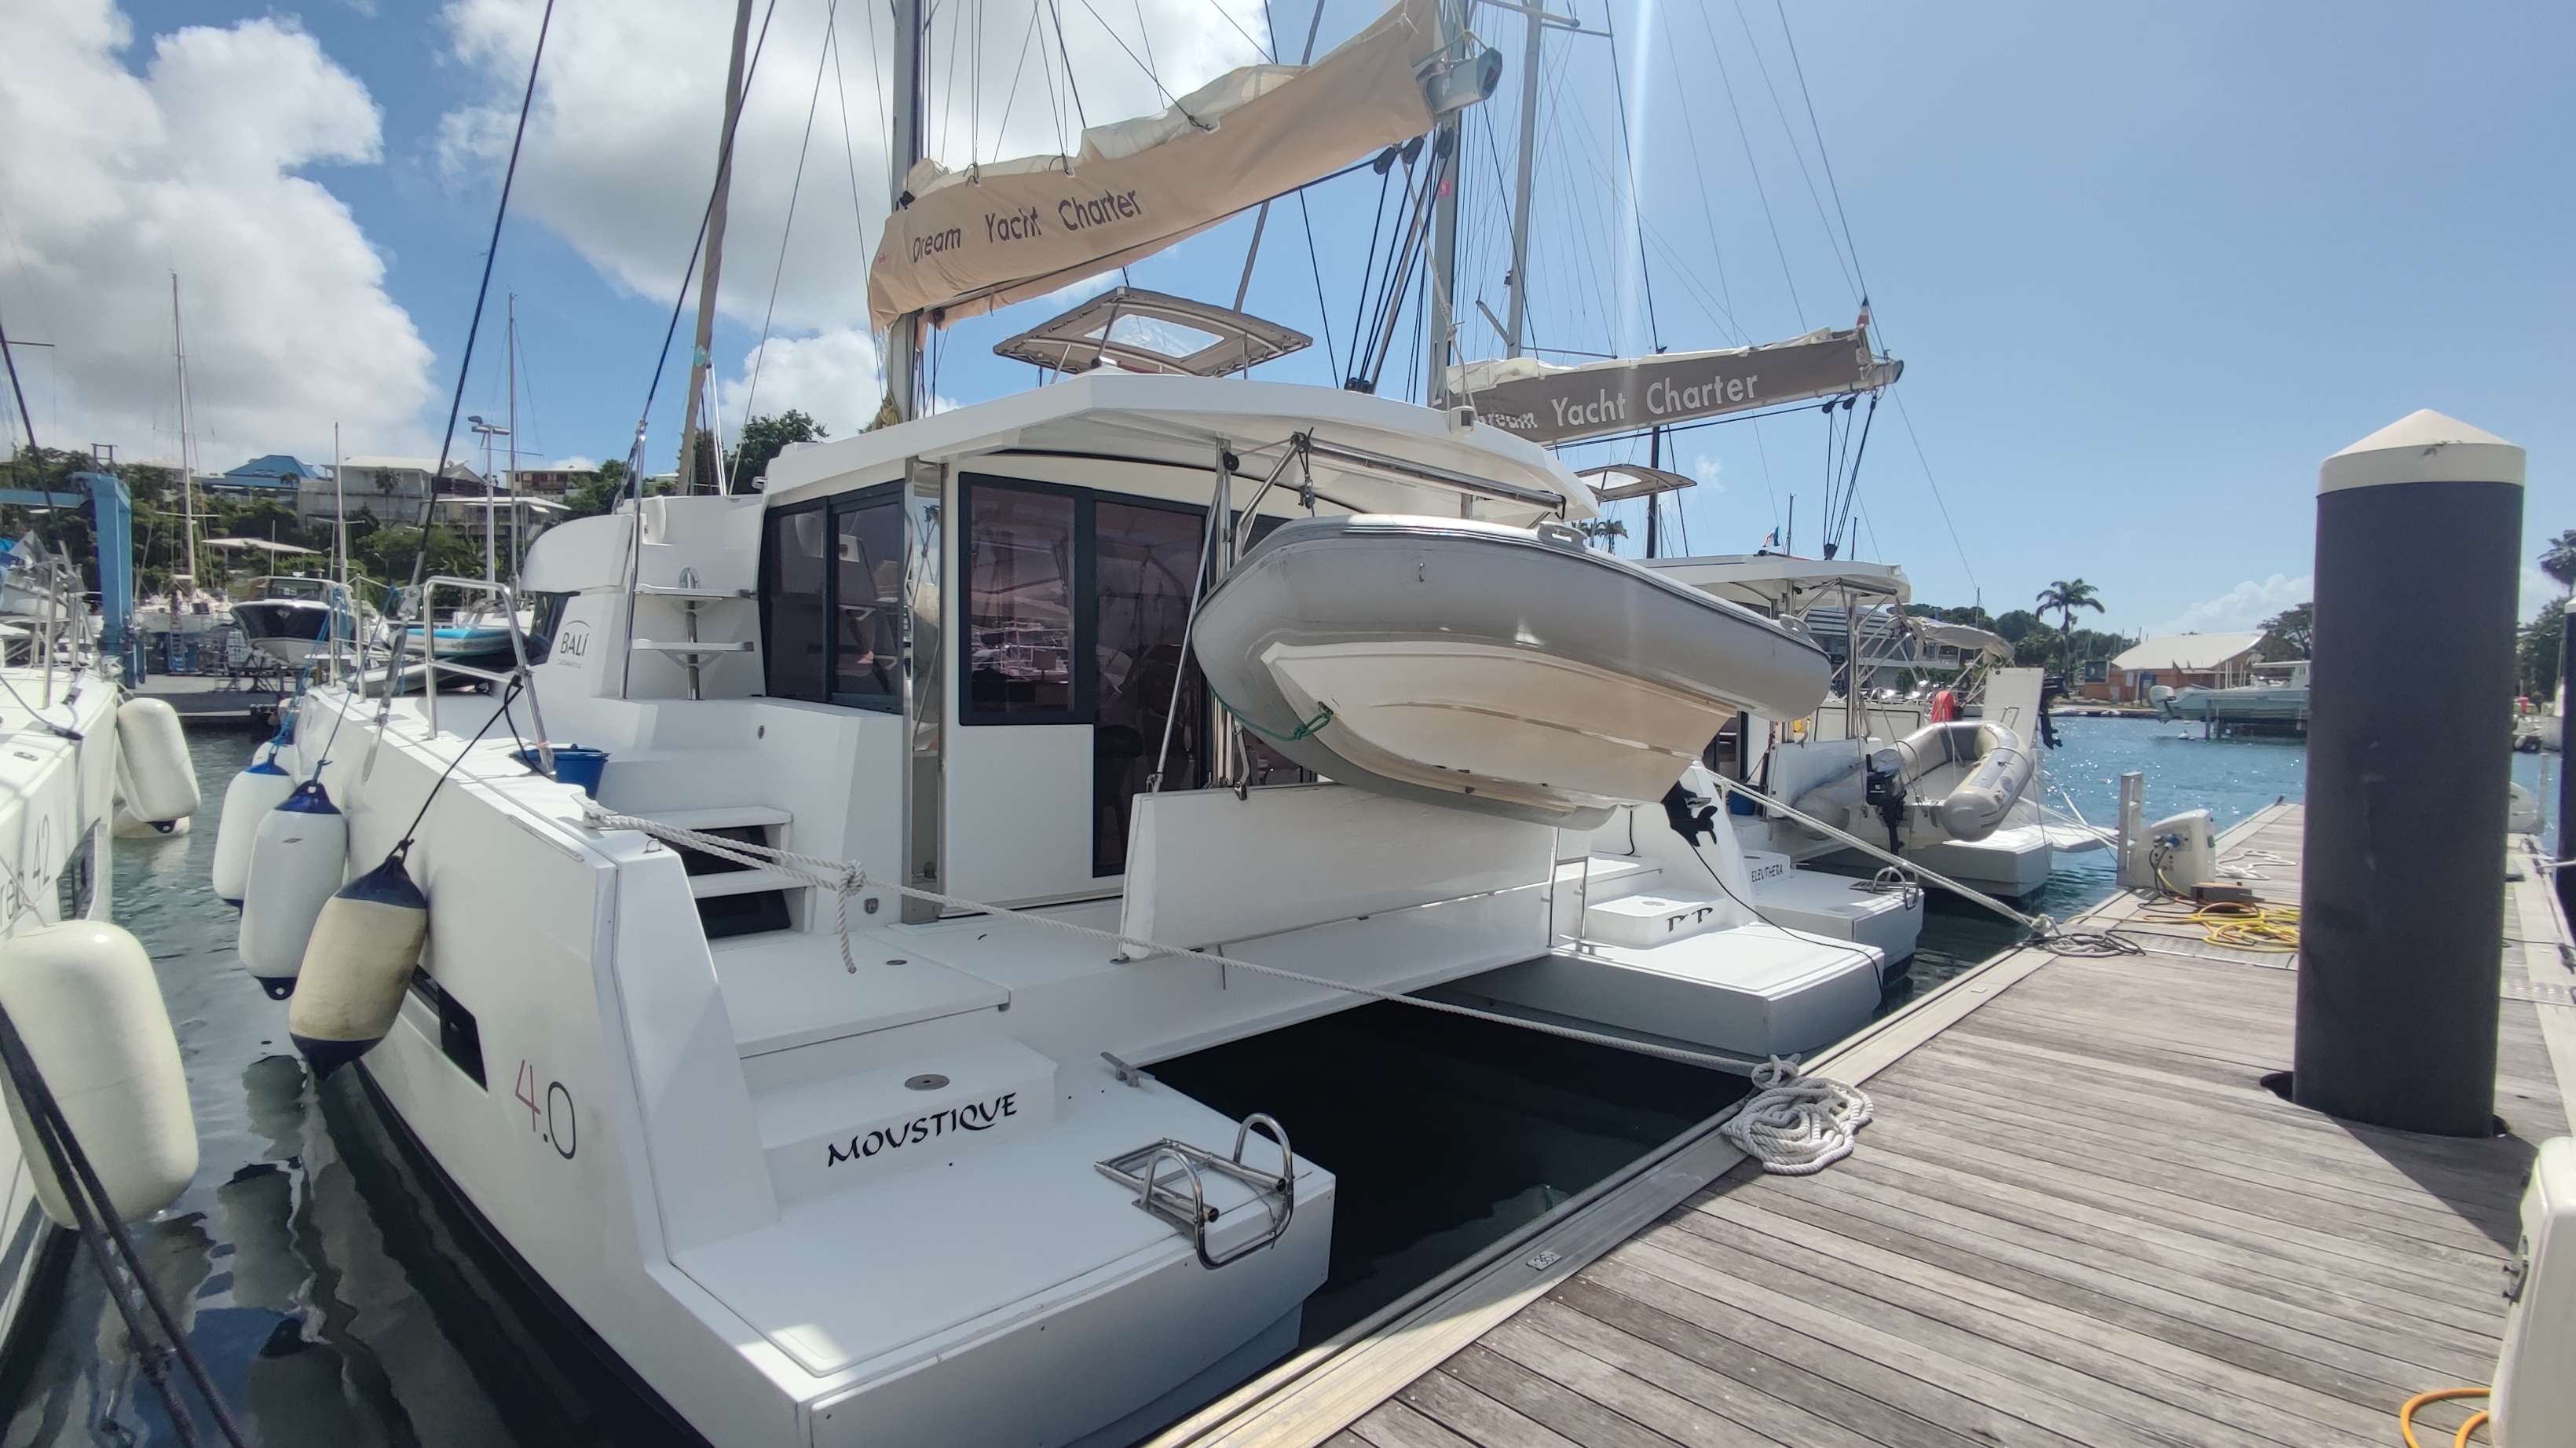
2410, 740
2566, 879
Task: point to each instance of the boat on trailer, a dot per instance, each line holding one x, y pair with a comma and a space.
852, 1158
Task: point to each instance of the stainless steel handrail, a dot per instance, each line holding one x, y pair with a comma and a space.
428, 626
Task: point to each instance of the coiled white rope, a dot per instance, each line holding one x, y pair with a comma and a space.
1798, 1125
845, 879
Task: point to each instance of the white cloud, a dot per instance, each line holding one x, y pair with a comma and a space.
2240, 608
113, 180
1706, 469
831, 377
621, 146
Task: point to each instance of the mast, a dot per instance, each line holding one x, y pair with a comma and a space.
903, 339
1535, 16
715, 252
1444, 226
187, 474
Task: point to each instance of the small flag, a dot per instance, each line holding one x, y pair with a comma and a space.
1773, 541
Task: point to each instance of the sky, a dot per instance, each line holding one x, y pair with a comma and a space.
2145, 266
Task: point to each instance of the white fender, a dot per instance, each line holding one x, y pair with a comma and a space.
298, 860
364, 949
152, 751
247, 800
85, 1001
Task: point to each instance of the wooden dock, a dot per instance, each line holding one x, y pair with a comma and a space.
2079, 1218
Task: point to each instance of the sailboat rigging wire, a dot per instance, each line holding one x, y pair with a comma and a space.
1262, 221
1851, 484
1627, 148
1141, 64
1727, 84
1315, 266
1822, 155
1699, 172
1055, 13
1019, 68
1908, 419
841, 88
1368, 270
483, 292
786, 231
1797, 152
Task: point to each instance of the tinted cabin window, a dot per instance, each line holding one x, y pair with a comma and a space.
1020, 599
867, 603
1143, 562
793, 605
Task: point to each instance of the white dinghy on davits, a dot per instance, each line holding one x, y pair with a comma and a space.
1508, 670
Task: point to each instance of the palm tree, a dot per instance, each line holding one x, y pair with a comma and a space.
2064, 598
2558, 560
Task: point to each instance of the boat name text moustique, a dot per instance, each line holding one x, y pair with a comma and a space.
973, 1116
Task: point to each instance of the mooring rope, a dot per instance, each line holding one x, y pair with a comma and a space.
1799, 1124
845, 879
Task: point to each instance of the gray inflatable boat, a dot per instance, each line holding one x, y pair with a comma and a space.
1506, 670
1991, 771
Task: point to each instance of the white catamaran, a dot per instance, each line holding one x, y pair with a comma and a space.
808, 902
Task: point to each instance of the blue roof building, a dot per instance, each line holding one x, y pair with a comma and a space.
275, 476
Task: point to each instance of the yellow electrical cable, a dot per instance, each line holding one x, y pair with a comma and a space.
2270, 929
2406, 1414
2265, 929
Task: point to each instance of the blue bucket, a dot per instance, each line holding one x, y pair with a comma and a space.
573, 765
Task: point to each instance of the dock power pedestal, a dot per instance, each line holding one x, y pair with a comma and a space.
2535, 1384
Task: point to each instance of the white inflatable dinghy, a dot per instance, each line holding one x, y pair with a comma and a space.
1993, 771
1506, 670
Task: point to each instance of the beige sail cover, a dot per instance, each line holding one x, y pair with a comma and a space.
977, 240
1550, 405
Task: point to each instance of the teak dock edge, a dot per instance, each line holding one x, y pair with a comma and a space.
2078, 1218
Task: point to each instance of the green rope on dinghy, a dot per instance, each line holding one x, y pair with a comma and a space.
1306, 730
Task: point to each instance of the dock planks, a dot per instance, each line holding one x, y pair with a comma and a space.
2077, 1219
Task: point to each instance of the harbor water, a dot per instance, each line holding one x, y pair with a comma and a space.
341, 1296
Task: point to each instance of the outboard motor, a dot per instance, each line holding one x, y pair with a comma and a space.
1885, 793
